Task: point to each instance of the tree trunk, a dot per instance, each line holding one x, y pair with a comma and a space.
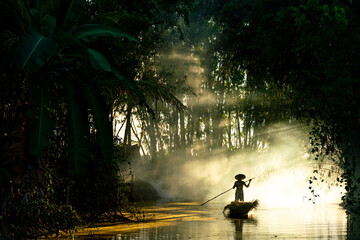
127, 134
207, 131
238, 128
247, 129
191, 128
152, 137
182, 131
176, 130
158, 132
229, 129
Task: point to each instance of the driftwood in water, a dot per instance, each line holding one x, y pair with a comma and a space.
240, 209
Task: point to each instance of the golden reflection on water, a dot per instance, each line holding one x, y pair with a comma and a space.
159, 215
192, 221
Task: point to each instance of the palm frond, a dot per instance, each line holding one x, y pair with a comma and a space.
120, 18
8, 41
88, 32
161, 92
134, 88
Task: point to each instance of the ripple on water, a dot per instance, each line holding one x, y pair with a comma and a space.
191, 221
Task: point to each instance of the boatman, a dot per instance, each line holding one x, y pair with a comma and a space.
239, 185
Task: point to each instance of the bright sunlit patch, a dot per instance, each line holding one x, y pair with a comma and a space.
251, 212
290, 188
281, 173
282, 190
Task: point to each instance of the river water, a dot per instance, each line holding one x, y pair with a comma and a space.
184, 221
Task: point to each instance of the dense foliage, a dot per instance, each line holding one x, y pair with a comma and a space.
193, 76
311, 48
254, 63
63, 66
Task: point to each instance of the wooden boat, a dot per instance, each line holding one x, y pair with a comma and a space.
240, 209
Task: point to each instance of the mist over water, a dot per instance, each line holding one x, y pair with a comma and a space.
281, 170
281, 173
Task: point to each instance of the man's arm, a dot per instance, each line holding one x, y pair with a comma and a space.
248, 183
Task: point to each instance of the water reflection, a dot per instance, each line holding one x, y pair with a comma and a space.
240, 224
184, 221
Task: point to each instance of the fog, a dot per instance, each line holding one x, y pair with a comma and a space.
281, 173
281, 170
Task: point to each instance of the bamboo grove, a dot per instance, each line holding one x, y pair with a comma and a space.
217, 106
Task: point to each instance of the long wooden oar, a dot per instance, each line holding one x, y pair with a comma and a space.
216, 196
250, 179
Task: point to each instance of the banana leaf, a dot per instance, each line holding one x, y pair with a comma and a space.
98, 61
41, 125
89, 32
48, 24
98, 107
73, 14
79, 144
35, 50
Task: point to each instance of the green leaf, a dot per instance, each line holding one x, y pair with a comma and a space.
122, 18
66, 41
34, 13
79, 145
159, 91
88, 32
4, 175
35, 50
48, 24
133, 87
41, 125
24, 14
99, 61
98, 107
73, 14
